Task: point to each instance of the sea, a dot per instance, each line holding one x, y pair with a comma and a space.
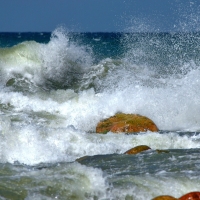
56, 86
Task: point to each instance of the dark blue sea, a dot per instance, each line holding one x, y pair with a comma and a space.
55, 88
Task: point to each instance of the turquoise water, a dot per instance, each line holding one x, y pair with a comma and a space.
55, 88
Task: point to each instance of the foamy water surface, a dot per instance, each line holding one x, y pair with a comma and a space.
52, 96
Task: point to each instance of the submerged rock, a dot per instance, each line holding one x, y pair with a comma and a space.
191, 196
137, 149
82, 158
162, 151
164, 197
127, 123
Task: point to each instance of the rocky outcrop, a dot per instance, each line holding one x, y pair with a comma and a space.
137, 149
188, 196
191, 196
126, 123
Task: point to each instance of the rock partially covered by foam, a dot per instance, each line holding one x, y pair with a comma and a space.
137, 149
191, 196
127, 123
164, 197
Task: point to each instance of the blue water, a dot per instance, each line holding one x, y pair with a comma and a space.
55, 88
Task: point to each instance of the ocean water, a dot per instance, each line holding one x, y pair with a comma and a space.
55, 88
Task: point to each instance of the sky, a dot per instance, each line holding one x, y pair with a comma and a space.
99, 15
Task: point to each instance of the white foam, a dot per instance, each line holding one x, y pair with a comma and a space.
33, 144
172, 102
58, 60
40, 121
67, 181
148, 187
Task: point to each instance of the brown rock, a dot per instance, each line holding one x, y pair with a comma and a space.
164, 197
191, 196
128, 123
137, 149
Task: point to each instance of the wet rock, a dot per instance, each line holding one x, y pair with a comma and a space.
164, 197
162, 151
191, 196
82, 158
127, 123
137, 149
